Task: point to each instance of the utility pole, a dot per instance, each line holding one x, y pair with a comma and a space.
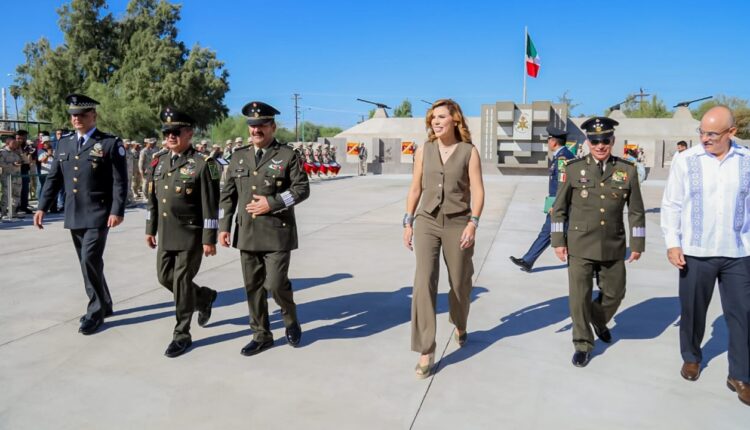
296, 98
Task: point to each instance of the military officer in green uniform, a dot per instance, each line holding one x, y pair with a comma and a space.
590, 202
264, 182
183, 206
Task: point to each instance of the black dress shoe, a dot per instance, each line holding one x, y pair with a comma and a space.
177, 348
90, 326
294, 334
520, 262
254, 347
107, 313
603, 333
581, 358
205, 314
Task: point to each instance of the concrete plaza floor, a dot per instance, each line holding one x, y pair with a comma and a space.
354, 370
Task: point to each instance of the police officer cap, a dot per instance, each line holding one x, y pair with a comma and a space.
173, 120
556, 132
259, 113
599, 127
78, 104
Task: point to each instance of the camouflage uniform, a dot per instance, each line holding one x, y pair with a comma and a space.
10, 165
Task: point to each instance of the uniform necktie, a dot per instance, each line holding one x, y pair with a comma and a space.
258, 156
601, 167
174, 160
80, 143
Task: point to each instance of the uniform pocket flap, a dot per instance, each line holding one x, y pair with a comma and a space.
577, 226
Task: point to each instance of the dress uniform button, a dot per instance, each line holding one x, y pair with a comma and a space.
440, 185
601, 184
163, 200
602, 196
75, 179
166, 187
75, 190
283, 224
164, 214
75, 168
254, 187
77, 157
601, 210
169, 174
255, 173
602, 223
254, 216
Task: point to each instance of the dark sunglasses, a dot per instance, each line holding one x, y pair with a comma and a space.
172, 132
605, 141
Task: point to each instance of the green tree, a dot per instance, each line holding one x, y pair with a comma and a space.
134, 66
653, 109
403, 110
371, 113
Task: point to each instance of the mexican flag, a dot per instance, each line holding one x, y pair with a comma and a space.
532, 58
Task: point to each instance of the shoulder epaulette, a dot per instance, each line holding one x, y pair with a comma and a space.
575, 160
242, 148
622, 160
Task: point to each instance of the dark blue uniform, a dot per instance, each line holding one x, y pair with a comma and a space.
556, 168
95, 182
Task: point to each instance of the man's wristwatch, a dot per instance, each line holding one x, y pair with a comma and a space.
474, 220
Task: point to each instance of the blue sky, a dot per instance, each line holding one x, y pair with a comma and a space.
332, 52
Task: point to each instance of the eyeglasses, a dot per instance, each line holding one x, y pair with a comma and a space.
711, 135
173, 132
605, 141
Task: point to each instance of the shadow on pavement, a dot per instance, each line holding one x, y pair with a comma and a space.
645, 320
718, 343
546, 268
526, 320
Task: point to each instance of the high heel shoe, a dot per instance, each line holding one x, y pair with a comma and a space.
425, 371
461, 340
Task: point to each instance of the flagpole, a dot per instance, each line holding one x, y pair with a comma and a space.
525, 49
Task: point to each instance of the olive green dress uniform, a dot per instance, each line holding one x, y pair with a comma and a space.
443, 214
264, 241
183, 200
591, 204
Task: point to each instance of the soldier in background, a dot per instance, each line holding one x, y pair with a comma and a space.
590, 202
362, 154
130, 163
556, 166
137, 178
265, 182
183, 198
144, 162
10, 164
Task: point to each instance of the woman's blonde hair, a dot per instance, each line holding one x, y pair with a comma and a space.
461, 130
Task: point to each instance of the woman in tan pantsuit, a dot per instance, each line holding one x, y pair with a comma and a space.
448, 185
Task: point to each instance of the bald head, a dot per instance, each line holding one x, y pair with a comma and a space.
719, 115
716, 130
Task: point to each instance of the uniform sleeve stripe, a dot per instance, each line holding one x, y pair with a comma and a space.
288, 199
639, 231
211, 223
558, 227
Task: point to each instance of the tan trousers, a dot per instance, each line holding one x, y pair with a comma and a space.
430, 235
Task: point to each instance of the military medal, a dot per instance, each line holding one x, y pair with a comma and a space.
583, 172
615, 196
97, 151
584, 193
178, 189
241, 160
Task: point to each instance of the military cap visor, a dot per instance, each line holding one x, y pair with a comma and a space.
173, 120
556, 132
78, 104
259, 113
599, 127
